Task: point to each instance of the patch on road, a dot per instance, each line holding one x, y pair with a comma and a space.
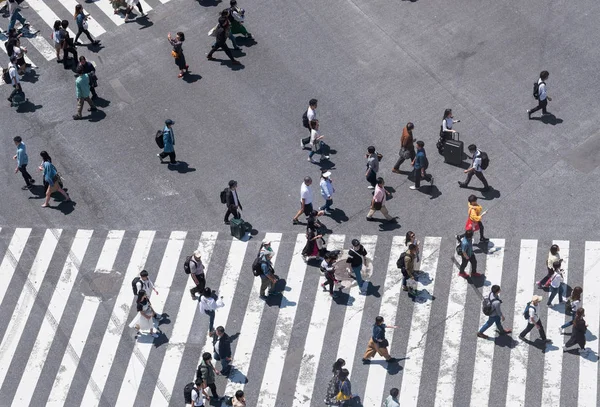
103, 284
586, 156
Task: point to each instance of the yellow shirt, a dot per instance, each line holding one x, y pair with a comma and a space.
475, 212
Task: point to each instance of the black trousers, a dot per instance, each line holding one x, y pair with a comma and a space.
213, 389
16, 89
418, 177
224, 47
372, 177
199, 288
69, 49
546, 277
80, 31
530, 326
464, 262
541, 105
330, 283
478, 174
25, 174
404, 155
231, 211
170, 155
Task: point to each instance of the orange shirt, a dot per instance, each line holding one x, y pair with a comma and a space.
475, 212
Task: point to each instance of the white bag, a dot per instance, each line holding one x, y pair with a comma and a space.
213, 31
85, 24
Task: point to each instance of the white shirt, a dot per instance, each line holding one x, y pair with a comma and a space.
306, 193
17, 51
209, 304
314, 134
147, 286
542, 90
12, 73
197, 398
311, 114
447, 124
533, 314
477, 161
556, 280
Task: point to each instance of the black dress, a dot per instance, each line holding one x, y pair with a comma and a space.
180, 58
578, 335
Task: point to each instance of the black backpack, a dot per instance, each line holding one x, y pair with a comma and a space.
485, 160
134, 285
486, 305
223, 196
187, 392
305, 122
526, 312
186, 264
536, 89
160, 142
401, 262
425, 162
199, 372
257, 264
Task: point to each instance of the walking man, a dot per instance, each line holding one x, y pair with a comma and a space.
232, 201
208, 377
468, 256
267, 276
68, 45
496, 316
420, 164
372, 167
306, 200
541, 96
222, 347
355, 259
475, 169
378, 343
90, 69
15, 15
169, 142
197, 274
82, 90
309, 116
407, 147
392, 399
22, 161
221, 35
531, 315
326, 191
143, 282
14, 78
378, 202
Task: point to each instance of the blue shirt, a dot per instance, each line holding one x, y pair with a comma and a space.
21, 155
169, 140
378, 332
467, 246
265, 267
49, 172
80, 17
420, 159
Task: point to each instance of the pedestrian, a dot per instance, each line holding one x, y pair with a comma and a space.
475, 215
22, 161
90, 70
327, 191
553, 257
82, 25
82, 91
307, 118
52, 178
169, 143
378, 202
196, 396
232, 202
197, 274
208, 377
541, 95
207, 304
317, 144
356, 257
468, 256
13, 74
306, 200
531, 315
143, 321
475, 169
129, 9
221, 35
372, 166
407, 147
555, 284
239, 400
392, 399
328, 272
406, 263
572, 305
447, 123
268, 278
19, 52
578, 335
378, 343
57, 40
412, 238
177, 52
143, 282
314, 241
496, 316
344, 387
420, 164
67, 44
332, 386
15, 15
237, 16
222, 348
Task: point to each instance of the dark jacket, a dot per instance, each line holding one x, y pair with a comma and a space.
229, 199
221, 33
354, 256
578, 335
224, 349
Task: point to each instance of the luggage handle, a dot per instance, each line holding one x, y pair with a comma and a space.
457, 136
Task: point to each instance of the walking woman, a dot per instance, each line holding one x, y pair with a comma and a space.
344, 389
331, 388
82, 25
553, 257
474, 223
57, 40
207, 304
412, 238
51, 178
447, 123
578, 336
177, 53
143, 320
575, 304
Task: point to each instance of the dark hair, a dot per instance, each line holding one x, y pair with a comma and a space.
57, 25
420, 143
232, 183
337, 366
307, 179
544, 75
45, 156
225, 12
556, 264
447, 113
207, 292
469, 233
198, 382
312, 102
181, 36
371, 149
554, 249
313, 123
472, 198
379, 319
220, 330
576, 293
79, 70
409, 126
495, 288
343, 374
379, 181
355, 242
394, 392
206, 356
239, 394
412, 246
408, 236
17, 139
78, 10
143, 273
472, 147
579, 314
64, 24
81, 58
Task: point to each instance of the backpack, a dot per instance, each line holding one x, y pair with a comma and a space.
486, 305
134, 285
485, 160
305, 122
257, 265
425, 162
186, 264
199, 372
536, 89
379, 156
459, 249
526, 312
401, 262
228, 400
223, 196
187, 393
159, 139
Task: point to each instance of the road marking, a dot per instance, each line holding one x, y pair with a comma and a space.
484, 354
93, 27
20, 316
47, 14
392, 289
354, 312
417, 339
52, 318
118, 320
285, 323
588, 365
42, 46
517, 372
305, 385
108, 10
11, 258
181, 329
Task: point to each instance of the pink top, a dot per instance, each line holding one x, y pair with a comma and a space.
379, 194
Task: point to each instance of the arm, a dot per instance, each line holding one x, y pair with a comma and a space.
151, 284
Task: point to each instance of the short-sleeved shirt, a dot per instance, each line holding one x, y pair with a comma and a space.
147, 286
197, 398
311, 114
373, 163
477, 161
467, 246
379, 194
542, 90
533, 314
12, 73
306, 193
314, 134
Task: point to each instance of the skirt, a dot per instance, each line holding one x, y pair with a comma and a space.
144, 323
180, 60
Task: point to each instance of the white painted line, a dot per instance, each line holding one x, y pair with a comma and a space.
118, 320
285, 323
147, 7
47, 14
108, 10
455, 315
392, 289
42, 46
417, 339
354, 314
484, 354
11, 258
93, 27
65, 375
517, 371
70, 361
588, 365
22, 311
250, 326
52, 318
4, 38
181, 329
305, 385
139, 357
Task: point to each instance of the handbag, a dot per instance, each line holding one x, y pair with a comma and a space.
213, 32
384, 343
85, 25
174, 54
341, 396
377, 205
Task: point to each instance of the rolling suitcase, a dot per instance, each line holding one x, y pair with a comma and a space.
239, 228
453, 151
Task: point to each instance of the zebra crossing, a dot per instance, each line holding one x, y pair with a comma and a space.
74, 347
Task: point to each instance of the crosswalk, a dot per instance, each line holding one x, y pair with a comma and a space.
74, 346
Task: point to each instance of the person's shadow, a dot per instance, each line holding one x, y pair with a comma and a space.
191, 78
548, 118
181, 167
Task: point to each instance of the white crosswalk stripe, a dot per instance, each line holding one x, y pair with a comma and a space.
34, 256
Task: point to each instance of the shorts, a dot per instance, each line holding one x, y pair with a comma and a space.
308, 208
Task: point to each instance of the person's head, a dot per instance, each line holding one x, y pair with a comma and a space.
447, 113
197, 255
394, 393
472, 148
82, 60
544, 75
12, 33
220, 331
576, 294
207, 292
57, 25
420, 145
225, 13
556, 265
580, 313
343, 375
307, 180
380, 182
371, 149
554, 249
266, 243
144, 275
536, 299
410, 235
169, 123
45, 156
496, 289
313, 103
64, 24
472, 199
206, 356
412, 248
141, 295
180, 36
355, 243
79, 70
232, 184
378, 320
198, 383
233, 3
338, 364
239, 395
17, 140
78, 9
410, 126
469, 234
223, 21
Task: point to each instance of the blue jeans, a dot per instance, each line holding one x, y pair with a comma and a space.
225, 366
356, 270
327, 206
492, 320
14, 18
311, 153
553, 292
211, 320
569, 323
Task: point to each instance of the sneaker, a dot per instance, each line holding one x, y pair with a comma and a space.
295, 221
404, 288
76, 117
158, 155
366, 361
323, 285
413, 187
547, 340
463, 275
462, 184
484, 240
301, 144
395, 171
529, 114
326, 157
210, 58
154, 335
25, 187
371, 187
262, 297
236, 62
482, 336
369, 219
